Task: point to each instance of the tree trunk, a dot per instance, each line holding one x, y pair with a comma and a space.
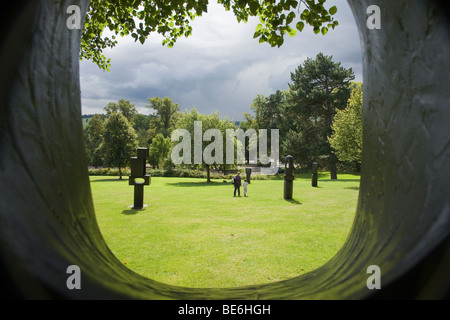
120, 173
332, 165
208, 173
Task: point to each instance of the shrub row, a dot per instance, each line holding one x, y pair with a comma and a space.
175, 172
108, 171
182, 172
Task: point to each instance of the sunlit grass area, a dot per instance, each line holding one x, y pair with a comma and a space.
196, 234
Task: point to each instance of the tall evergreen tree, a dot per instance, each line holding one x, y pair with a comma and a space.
319, 87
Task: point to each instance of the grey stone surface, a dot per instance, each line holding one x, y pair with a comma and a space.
402, 223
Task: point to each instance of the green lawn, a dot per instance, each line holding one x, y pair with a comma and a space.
196, 234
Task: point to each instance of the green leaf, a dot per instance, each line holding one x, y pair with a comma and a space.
300, 25
324, 30
290, 17
280, 42
303, 16
253, 7
258, 27
292, 32
333, 10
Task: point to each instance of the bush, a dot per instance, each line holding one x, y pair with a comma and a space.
177, 172
108, 171
349, 166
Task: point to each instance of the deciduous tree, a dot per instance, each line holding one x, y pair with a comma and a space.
347, 128
119, 142
141, 126
93, 136
165, 116
212, 121
124, 107
159, 151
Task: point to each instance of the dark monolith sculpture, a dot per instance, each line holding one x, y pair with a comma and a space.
288, 177
314, 174
248, 174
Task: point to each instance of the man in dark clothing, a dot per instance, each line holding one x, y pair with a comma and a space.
237, 184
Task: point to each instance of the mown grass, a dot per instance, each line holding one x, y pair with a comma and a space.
196, 234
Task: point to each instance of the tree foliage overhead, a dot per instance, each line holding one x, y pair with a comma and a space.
173, 18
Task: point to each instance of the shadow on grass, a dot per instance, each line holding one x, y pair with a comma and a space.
132, 211
293, 201
305, 175
337, 180
301, 176
352, 188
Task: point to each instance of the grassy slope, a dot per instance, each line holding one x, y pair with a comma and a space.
196, 234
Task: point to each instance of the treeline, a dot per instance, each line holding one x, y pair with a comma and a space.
111, 139
319, 118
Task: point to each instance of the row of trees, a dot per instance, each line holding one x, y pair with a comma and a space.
111, 139
312, 114
319, 118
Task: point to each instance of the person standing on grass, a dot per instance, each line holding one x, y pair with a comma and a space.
237, 184
245, 187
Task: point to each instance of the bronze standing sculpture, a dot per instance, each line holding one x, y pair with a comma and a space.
138, 177
314, 174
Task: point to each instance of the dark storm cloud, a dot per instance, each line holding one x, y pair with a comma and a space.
219, 68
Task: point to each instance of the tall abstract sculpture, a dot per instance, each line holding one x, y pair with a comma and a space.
138, 177
288, 177
248, 174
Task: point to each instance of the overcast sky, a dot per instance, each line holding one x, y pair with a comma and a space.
219, 68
